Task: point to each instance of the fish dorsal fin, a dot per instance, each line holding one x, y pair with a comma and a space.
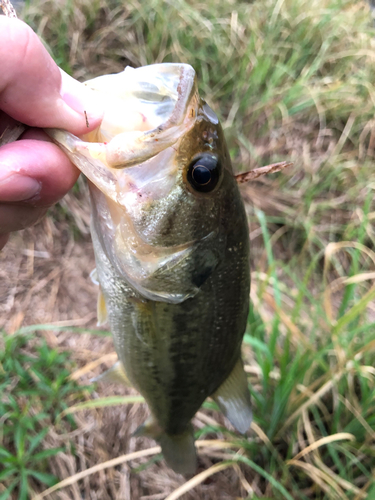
114, 375
101, 309
233, 398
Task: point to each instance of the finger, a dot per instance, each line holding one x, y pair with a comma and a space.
34, 91
33, 171
15, 217
37, 134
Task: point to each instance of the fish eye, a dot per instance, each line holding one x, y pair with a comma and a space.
204, 172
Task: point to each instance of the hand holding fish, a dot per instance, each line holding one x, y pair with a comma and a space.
34, 172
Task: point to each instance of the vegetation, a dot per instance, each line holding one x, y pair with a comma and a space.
34, 388
289, 79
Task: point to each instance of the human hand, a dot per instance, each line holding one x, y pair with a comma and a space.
34, 172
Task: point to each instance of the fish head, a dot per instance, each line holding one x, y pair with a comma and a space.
162, 181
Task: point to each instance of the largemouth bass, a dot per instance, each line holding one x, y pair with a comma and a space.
171, 244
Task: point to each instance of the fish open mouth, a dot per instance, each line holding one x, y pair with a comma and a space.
148, 109
149, 99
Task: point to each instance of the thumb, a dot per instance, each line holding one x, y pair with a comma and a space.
34, 90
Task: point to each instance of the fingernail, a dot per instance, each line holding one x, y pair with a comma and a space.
19, 188
80, 98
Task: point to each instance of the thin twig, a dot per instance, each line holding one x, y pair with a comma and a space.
257, 172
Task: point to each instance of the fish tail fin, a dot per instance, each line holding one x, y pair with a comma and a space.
178, 449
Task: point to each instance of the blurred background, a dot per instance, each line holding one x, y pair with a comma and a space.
289, 80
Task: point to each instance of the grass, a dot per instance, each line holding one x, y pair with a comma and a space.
289, 79
323, 382
35, 387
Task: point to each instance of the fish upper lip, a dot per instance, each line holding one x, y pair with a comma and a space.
185, 89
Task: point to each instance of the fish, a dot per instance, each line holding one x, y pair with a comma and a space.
171, 242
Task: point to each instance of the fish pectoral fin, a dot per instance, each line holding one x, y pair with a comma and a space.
167, 274
115, 374
178, 449
101, 309
233, 398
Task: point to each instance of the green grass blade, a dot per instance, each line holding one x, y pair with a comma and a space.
357, 309
266, 475
33, 328
102, 403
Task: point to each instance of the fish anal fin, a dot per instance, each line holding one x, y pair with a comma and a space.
101, 309
116, 374
178, 449
233, 398
150, 428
